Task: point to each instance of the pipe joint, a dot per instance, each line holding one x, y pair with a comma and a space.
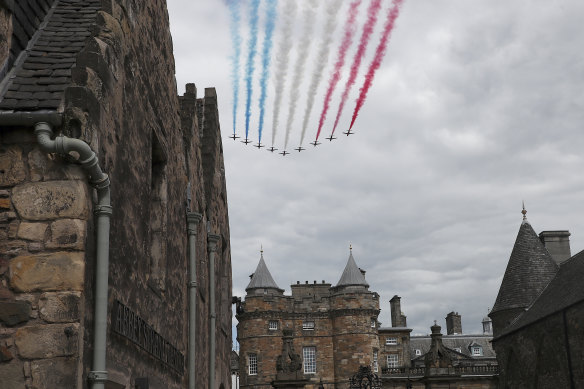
97, 376
104, 210
193, 284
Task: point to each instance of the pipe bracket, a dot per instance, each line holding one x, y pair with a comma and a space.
193, 284
97, 376
103, 210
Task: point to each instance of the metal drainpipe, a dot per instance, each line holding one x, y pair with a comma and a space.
192, 220
212, 240
100, 181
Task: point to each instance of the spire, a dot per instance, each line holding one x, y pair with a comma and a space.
352, 275
529, 270
261, 278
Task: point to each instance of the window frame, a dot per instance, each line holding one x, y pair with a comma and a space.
392, 361
273, 325
375, 361
477, 351
418, 352
309, 359
252, 364
308, 325
391, 341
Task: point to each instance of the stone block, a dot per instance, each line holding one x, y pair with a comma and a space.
51, 200
60, 307
12, 375
14, 312
47, 272
12, 248
4, 203
32, 231
5, 354
67, 233
54, 373
12, 169
47, 341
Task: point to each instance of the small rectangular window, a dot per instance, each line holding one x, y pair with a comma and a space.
476, 351
391, 341
308, 325
273, 325
418, 351
393, 360
375, 364
373, 323
309, 359
253, 364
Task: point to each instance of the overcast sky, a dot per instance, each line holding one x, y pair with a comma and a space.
477, 106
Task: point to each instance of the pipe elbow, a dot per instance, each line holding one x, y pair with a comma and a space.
43, 132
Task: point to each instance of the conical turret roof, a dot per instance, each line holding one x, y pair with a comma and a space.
262, 278
352, 275
529, 271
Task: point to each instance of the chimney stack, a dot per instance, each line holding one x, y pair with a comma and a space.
557, 244
453, 323
398, 319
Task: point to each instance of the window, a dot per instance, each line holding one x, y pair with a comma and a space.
375, 364
373, 323
392, 360
273, 325
309, 358
308, 325
391, 341
457, 349
477, 351
418, 351
253, 364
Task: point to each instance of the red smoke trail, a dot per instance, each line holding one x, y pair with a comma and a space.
379, 54
345, 44
367, 31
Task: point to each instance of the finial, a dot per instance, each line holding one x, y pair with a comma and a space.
262, 249
524, 212
435, 323
350, 247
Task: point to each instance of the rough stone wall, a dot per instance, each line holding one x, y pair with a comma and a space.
124, 105
402, 348
545, 354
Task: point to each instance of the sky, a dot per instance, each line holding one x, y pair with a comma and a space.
477, 106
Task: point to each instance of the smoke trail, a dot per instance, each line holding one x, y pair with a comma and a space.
365, 36
236, 42
345, 44
270, 23
253, 38
321, 61
307, 38
282, 61
379, 54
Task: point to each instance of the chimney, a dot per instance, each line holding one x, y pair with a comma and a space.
397, 318
453, 323
557, 244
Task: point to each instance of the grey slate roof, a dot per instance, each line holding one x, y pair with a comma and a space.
462, 342
39, 78
262, 278
529, 270
352, 274
566, 289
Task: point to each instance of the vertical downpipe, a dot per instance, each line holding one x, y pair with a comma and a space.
212, 240
193, 220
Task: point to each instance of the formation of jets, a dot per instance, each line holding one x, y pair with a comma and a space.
284, 153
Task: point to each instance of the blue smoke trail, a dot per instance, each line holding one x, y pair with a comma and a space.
253, 39
236, 41
271, 15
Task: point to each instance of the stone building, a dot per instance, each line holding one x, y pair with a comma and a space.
328, 331
115, 266
539, 311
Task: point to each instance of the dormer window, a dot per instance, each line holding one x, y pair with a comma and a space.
477, 351
418, 352
457, 349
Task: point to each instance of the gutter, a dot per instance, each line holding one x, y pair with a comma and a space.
192, 220
212, 240
43, 123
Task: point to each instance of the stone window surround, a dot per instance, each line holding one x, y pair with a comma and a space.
273, 325
308, 325
309, 359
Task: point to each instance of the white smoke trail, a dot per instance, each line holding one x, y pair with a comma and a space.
321, 60
282, 60
307, 38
